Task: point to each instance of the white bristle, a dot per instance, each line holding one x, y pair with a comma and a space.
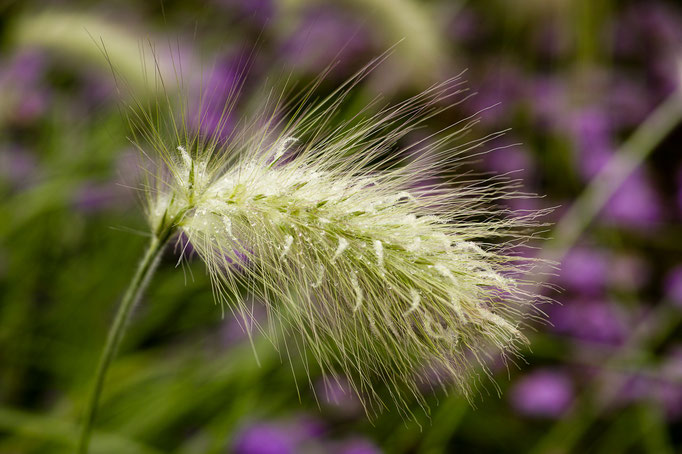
343, 244
288, 241
379, 251
415, 301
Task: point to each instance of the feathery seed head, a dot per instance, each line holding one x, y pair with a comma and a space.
381, 278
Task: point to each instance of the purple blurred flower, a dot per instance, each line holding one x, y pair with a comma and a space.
240, 260
183, 246
508, 158
635, 203
357, 446
128, 166
548, 102
628, 102
592, 321
635, 387
32, 105
220, 88
585, 270
664, 74
26, 67
325, 35
670, 395
98, 197
266, 438
338, 394
652, 31
648, 27
672, 367
662, 388
466, 26
505, 158
498, 92
22, 85
523, 206
310, 427
542, 393
592, 132
96, 90
673, 285
18, 166
238, 326
277, 437
628, 272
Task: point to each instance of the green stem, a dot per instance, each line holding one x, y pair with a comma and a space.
632, 154
132, 295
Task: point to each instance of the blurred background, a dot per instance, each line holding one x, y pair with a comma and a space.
588, 91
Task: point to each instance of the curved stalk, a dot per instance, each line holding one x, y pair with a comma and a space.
137, 285
664, 119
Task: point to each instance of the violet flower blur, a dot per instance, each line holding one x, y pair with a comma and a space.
673, 286
21, 83
584, 270
542, 393
357, 446
498, 90
265, 438
592, 132
590, 320
18, 167
635, 204
93, 198
327, 34
220, 88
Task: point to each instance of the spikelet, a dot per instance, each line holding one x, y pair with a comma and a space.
383, 267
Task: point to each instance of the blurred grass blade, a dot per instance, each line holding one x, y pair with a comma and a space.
604, 185
57, 431
80, 36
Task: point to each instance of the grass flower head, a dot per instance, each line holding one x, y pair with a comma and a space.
379, 263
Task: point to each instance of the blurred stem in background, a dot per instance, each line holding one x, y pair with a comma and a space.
407, 26
565, 433
87, 37
591, 20
420, 49
139, 282
604, 185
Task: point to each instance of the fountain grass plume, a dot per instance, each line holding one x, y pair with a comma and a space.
378, 265
377, 257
